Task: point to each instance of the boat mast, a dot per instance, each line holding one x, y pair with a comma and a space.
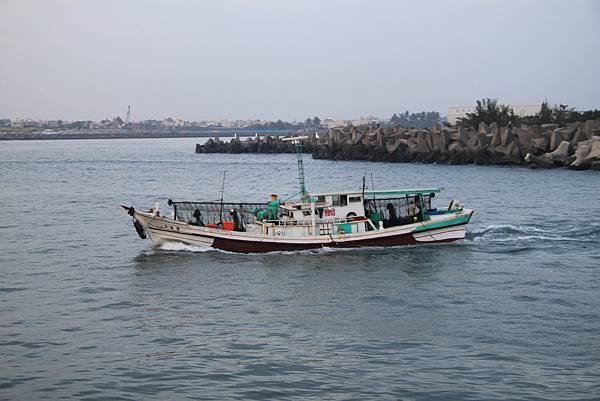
296, 141
363, 188
303, 192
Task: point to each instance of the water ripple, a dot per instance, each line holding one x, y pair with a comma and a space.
90, 312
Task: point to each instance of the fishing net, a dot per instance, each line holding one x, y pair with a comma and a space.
215, 212
397, 211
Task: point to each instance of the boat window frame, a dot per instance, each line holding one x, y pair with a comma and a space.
336, 200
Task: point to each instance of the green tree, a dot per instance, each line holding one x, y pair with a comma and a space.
575, 116
562, 114
545, 115
423, 119
488, 110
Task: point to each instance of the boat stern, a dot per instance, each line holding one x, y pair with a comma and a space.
447, 228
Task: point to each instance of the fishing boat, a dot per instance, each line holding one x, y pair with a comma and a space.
337, 219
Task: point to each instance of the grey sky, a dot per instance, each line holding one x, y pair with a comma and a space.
273, 59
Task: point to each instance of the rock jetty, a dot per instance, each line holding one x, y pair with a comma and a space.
575, 146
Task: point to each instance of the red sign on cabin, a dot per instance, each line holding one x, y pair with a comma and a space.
329, 212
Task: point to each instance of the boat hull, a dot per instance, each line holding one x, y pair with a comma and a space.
163, 230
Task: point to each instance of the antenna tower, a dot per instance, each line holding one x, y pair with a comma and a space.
128, 117
296, 141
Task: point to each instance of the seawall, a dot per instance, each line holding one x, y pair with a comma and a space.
575, 146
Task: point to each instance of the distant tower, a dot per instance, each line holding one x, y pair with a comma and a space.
128, 115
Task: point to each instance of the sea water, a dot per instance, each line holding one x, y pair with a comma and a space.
88, 311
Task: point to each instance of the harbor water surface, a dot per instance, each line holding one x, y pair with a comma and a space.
88, 311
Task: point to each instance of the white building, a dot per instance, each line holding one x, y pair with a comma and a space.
367, 120
334, 123
522, 110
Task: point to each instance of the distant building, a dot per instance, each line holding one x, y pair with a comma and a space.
333, 123
456, 112
29, 123
367, 120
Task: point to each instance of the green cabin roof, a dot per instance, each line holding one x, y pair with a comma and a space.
420, 191
391, 192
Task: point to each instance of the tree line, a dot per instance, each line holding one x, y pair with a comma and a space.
423, 119
309, 124
488, 110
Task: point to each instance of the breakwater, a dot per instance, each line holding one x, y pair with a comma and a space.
575, 146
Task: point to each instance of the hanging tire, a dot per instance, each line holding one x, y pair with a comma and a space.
140, 229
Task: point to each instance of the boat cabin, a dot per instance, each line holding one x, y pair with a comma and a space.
393, 208
399, 207
340, 205
326, 206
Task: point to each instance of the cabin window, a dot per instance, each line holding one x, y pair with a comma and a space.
306, 212
339, 200
321, 198
354, 199
427, 202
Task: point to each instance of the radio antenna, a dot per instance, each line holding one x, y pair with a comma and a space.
372, 182
222, 190
296, 141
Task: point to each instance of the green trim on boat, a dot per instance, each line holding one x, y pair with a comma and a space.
424, 191
346, 227
463, 219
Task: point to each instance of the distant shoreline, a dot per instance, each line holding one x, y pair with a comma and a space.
124, 134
